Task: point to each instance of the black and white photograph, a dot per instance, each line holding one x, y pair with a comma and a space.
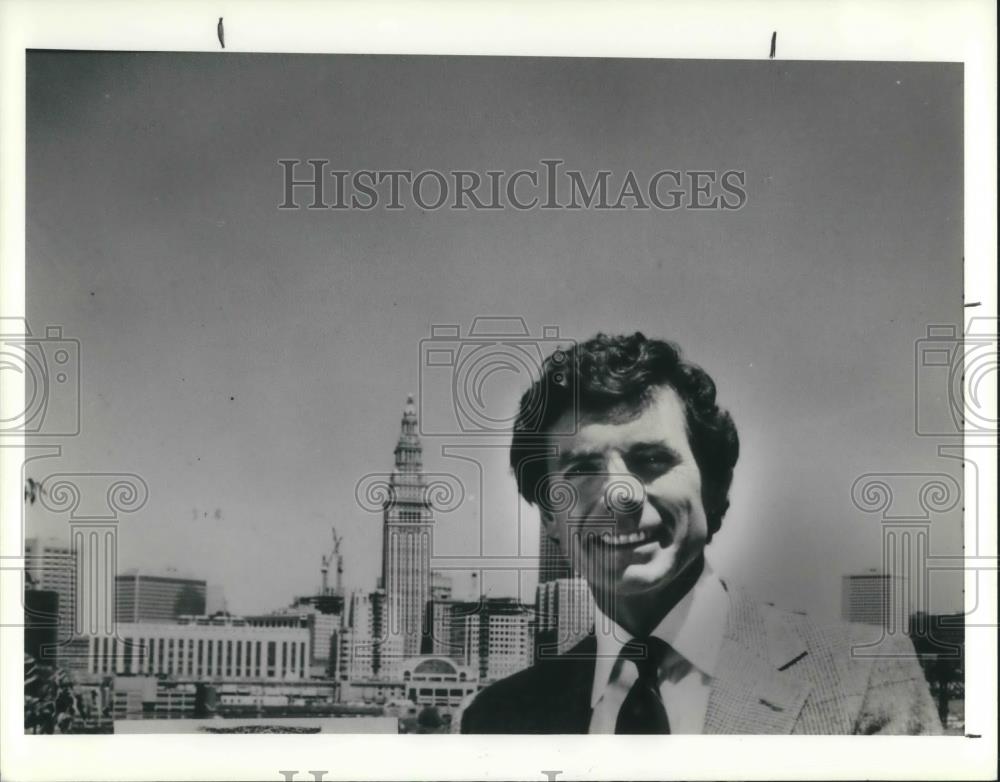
497, 395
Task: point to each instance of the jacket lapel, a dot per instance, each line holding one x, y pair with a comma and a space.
755, 689
566, 689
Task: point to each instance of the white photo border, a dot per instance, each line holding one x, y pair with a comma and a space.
952, 31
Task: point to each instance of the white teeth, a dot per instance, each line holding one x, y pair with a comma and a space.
627, 540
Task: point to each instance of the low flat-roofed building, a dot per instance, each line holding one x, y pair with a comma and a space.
202, 649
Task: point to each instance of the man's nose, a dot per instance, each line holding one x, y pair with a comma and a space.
624, 493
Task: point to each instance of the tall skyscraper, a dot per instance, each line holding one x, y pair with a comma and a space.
406, 541
365, 650
446, 622
552, 564
143, 597
564, 605
51, 566
565, 609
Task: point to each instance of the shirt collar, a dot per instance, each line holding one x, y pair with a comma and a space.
694, 628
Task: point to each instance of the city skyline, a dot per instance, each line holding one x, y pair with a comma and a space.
550, 561
249, 363
407, 644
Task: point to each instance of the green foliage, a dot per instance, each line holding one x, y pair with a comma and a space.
54, 704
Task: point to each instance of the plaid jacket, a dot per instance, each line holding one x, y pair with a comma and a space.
777, 673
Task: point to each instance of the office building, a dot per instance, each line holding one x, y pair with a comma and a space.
498, 638
51, 566
565, 614
493, 637
322, 614
146, 597
366, 648
552, 564
446, 625
874, 598
406, 542
323, 629
200, 648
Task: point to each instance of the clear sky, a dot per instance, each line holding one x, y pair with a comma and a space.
252, 364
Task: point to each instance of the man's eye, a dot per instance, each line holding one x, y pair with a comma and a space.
582, 468
654, 463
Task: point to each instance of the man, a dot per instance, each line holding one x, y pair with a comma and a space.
621, 445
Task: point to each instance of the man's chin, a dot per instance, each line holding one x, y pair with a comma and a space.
641, 583
648, 578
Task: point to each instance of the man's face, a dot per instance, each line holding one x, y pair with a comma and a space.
635, 519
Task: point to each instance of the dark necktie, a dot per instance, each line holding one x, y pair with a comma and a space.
643, 711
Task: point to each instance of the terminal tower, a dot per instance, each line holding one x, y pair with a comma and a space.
406, 539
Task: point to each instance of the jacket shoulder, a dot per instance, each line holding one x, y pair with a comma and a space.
862, 679
871, 677
552, 696
502, 707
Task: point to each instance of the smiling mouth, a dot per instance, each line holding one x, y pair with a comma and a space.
635, 538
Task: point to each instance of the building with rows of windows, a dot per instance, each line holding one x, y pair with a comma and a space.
407, 535
874, 598
565, 614
159, 597
204, 649
50, 565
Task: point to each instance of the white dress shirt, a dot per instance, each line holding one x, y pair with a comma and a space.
693, 629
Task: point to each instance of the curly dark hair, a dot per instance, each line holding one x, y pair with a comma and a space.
612, 374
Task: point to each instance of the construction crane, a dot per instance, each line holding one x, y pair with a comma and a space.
324, 570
